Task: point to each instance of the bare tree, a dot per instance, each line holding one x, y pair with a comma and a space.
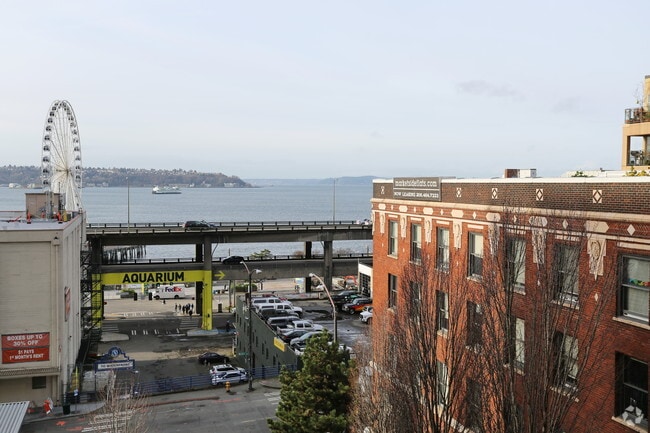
411, 378
545, 290
511, 346
125, 410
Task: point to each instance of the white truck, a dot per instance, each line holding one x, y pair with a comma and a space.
305, 324
169, 291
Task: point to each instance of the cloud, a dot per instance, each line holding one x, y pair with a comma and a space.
566, 105
483, 88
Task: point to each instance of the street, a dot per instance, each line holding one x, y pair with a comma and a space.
153, 333
205, 411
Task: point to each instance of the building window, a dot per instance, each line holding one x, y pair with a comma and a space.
39, 382
566, 272
516, 263
632, 390
365, 284
474, 324
392, 238
475, 255
416, 294
567, 360
515, 343
634, 302
392, 291
442, 256
442, 302
474, 405
442, 381
416, 243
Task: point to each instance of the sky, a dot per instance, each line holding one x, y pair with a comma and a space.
307, 89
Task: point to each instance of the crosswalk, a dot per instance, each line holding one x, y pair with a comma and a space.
273, 397
109, 422
184, 324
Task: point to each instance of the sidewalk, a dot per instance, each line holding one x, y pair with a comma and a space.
156, 400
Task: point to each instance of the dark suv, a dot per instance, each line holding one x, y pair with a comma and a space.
232, 260
198, 225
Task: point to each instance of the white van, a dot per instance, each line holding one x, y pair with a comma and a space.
278, 306
280, 322
264, 300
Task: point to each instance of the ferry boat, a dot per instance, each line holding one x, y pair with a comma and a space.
165, 190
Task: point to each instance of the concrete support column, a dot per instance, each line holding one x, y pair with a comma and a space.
204, 297
328, 254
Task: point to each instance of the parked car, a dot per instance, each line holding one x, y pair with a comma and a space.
304, 337
198, 225
232, 260
290, 334
223, 368
356, 305
266, 314
213, 358
229, 376
258, 301
366, 314
280, 322
305, 324
347, 299
287, 306
342, 295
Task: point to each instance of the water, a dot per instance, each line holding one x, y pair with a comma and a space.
277, 203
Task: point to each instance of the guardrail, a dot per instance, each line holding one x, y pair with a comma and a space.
227, 226
216, 260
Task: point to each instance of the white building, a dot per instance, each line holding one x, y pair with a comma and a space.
40, 324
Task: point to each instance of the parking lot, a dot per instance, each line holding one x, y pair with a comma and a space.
154, 334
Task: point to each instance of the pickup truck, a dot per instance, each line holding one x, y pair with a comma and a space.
305, 324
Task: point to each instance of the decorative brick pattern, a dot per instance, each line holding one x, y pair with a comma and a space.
597, 196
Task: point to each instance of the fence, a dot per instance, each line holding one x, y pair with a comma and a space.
178, 384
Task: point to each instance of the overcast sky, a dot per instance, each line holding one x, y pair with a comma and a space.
307, 89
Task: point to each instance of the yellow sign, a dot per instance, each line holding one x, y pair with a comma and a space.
219, 275
162, 277
279, 344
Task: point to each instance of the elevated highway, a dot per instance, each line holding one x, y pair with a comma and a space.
203, 270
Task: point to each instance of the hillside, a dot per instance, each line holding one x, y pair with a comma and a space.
346, 180
117, 177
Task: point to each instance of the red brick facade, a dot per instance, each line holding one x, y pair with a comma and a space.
611, 215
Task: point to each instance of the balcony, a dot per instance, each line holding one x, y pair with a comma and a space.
636, 115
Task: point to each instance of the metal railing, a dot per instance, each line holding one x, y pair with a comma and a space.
175, 384
636, 115
234, 226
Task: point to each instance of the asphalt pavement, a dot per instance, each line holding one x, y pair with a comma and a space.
169, 342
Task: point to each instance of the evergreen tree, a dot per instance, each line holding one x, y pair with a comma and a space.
315, 399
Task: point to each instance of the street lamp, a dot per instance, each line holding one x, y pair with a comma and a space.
250, 323
320, 280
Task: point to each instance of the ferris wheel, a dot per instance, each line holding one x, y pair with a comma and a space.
61, 155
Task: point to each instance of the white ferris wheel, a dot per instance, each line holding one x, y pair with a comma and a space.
61, 155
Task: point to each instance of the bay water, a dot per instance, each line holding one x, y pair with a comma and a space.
322, 202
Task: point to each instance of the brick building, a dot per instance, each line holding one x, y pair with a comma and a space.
530, 295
